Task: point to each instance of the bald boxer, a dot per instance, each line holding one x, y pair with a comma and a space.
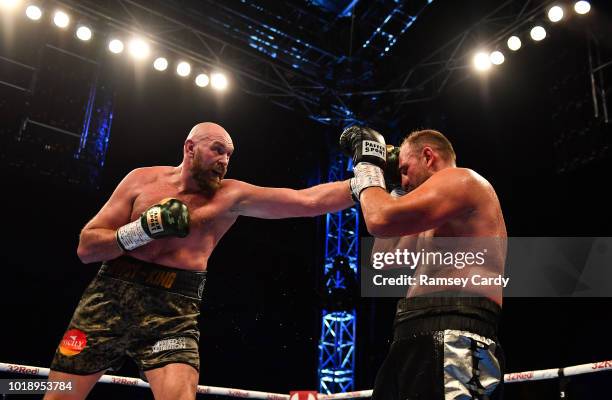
445, 336
154, 237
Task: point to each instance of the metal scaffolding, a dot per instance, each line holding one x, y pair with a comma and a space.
450, 64
271, 51
233, 43
337, 344
276, 51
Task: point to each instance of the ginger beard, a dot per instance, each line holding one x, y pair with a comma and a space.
209, 177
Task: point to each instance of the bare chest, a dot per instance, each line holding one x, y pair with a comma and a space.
203, 211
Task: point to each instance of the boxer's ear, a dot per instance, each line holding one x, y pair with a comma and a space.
189, 147
429, 155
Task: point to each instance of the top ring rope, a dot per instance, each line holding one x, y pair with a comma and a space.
253, 394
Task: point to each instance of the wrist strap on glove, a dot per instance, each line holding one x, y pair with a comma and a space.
133, 235
366, 175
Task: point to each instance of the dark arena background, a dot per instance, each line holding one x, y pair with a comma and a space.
75, 118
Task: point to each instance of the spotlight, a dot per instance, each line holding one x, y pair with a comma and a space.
9, 4
514, 43
139, 49
202, 80
34, 13
160, 64
83, 33
183, 68
497, 57
481, 61
218, 81
555, 14
115, 46
61, 19
537, 33
582, 7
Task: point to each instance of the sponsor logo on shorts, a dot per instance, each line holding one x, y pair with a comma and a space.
169, 344
372, 148
73, 342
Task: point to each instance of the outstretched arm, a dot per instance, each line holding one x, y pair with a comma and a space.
275, 203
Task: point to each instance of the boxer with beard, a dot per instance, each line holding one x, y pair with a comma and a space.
154, 237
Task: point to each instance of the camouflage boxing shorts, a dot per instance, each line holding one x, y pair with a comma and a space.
145, 311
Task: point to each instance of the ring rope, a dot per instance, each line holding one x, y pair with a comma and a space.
253, 394
128, 381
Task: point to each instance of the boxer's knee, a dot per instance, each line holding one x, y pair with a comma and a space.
173, 381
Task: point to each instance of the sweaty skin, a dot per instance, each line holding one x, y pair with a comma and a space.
214, 203
443, 202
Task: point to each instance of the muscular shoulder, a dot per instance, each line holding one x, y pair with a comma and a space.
234, 188
235, 191
463, 184
233, 184
474, 178
462, 177
470, 186
145, 175
136, 179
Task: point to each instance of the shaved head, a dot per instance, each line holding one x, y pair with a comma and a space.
206, 154
209, 131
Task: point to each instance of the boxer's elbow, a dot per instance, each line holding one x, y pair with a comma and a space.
386, 221
85, 252
379, 230
378, 224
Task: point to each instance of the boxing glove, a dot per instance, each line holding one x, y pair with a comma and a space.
368, 151
364, 144
169, 218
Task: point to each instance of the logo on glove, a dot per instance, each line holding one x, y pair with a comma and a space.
154, 220
371, 148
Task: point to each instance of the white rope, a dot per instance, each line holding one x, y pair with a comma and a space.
253, 394
127, 381
558, 372
347, 395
